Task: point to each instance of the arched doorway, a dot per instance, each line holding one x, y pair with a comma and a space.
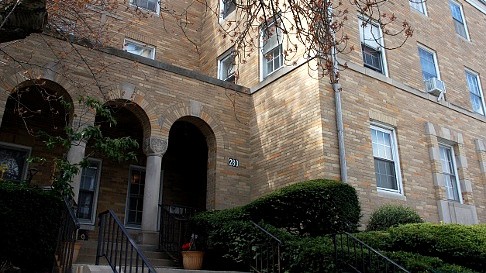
35, 110
119, 184
185, 165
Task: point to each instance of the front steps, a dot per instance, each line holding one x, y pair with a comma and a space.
80, 268
87, 255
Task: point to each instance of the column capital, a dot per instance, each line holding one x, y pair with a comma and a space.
154, 146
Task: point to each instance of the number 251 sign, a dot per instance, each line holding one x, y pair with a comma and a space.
233, 162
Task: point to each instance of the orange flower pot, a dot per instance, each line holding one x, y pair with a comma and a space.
192, 259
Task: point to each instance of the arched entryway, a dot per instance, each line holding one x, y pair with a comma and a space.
187, 164
35, 110
119, 185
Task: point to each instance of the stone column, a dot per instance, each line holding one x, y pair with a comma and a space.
75, 155
154, 148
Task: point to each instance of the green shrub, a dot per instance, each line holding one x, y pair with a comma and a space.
391, 216
309, 255
316, 207
29, 224
458, 244
417, 263
379, 240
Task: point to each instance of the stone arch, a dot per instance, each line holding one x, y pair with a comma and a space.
193, 109
213, 131
33, 107
137, 110
130, 93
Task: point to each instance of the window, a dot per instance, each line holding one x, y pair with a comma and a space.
135, 196
271, 46
428, 61
449, 173
385, 155
372, 46
418, 5
13, 161
227, 7
226, 67
88, 192
458, 17
475, 92
140, 49
151, 5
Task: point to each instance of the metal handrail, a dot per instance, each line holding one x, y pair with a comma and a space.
119, 249
361, 257
266, 255
174, 221
69, 225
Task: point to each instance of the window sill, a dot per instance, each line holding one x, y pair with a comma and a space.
87, 226
391, 195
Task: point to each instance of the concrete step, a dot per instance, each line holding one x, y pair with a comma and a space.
86, 268
87, 255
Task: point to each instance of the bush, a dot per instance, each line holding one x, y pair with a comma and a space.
29, 224
309, 255
422, 264
458, 244
316, 207
391, 216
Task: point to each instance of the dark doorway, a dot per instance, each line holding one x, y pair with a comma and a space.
185, 167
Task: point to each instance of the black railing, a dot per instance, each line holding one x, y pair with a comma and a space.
120, 251
63, 257
174, 228
356, 255
266, 254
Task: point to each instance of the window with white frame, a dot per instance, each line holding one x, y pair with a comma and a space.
458, 17
13, 161
88, 191
226, 66
139, 48
475, 92
428, 62
449, 172
227, 7
418, 5
136, 186
271, 39
151, 5
372, 46
385, 154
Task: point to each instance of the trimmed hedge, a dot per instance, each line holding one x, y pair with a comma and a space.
422, 264
455, 244
29, 224
391, 216
462, 245
315, 207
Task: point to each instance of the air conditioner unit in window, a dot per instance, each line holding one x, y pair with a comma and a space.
435, 87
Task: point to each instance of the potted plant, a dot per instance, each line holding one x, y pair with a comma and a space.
191, 257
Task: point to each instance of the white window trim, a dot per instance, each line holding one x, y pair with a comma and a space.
463, 19
396, 159
95, 197
436, 63
130, 168
127, 40
456, 174
221, 11
381, 41
23, 176
157, 8
479, 85
262, 57
478, 4
424, 7
223, 57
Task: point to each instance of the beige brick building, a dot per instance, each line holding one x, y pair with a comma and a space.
211, 144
